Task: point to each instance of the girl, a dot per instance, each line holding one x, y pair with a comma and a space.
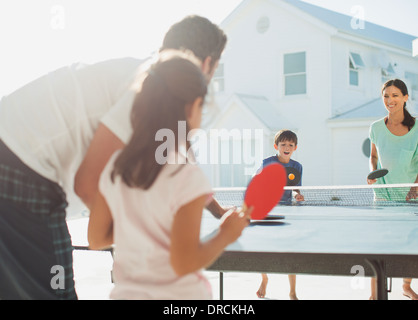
152, 197
394, 145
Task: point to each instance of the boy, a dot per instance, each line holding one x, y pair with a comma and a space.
285, 142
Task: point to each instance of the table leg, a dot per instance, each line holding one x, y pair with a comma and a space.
379, 270
221, 285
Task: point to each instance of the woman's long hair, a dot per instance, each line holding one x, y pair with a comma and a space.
409, 120
172, 83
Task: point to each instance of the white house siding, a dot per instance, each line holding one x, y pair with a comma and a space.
350, 165
253, 65
415, 48
246, 157
346, 96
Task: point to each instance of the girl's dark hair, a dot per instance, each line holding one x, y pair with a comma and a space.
169, 85
409, 120
197, 34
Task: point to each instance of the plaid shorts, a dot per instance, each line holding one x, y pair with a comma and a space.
36, 259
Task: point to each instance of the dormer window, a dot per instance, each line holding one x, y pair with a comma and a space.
388, 71
356, 60
355, 63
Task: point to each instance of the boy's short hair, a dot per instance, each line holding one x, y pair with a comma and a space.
285, 135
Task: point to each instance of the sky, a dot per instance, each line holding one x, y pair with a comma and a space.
400, 15
43, 35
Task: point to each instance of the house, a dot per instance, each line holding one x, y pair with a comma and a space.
415, 48
290, 64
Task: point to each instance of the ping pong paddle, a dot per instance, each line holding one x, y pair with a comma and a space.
293, 176
265, 190
377, 174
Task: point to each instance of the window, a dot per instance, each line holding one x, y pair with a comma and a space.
232, 175
388, 73
295, 73
218, 79
353, 75
384, 61
412, 82
232, 168
263, 24
355, 63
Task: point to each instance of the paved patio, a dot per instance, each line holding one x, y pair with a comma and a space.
93, 282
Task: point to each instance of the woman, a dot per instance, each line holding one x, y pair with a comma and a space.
394, 146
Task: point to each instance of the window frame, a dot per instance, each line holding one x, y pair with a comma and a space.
355, 65
289, 75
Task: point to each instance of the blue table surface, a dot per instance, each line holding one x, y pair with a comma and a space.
339, 230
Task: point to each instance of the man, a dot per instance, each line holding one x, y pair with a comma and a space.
191, 33
68, 121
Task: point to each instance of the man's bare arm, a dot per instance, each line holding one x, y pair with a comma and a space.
103, 145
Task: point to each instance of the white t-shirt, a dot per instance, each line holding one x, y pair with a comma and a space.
142, 230
50, 122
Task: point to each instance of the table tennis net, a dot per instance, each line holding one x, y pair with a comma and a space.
367, 195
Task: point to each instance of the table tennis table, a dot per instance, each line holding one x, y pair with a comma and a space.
327, 234
326, 240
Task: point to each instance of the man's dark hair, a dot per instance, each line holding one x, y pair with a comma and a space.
197, 34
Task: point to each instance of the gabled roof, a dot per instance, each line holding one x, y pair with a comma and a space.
260, 108
342, 22
370, 109
265, 112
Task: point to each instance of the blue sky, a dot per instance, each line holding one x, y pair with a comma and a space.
40, 36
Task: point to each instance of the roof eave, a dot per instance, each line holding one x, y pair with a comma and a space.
347, 122
378, 44
288, 7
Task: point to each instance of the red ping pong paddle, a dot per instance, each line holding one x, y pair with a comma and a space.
377, 174
265, 190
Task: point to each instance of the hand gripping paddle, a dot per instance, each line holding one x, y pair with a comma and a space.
265, 190
293, 176
377, 174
